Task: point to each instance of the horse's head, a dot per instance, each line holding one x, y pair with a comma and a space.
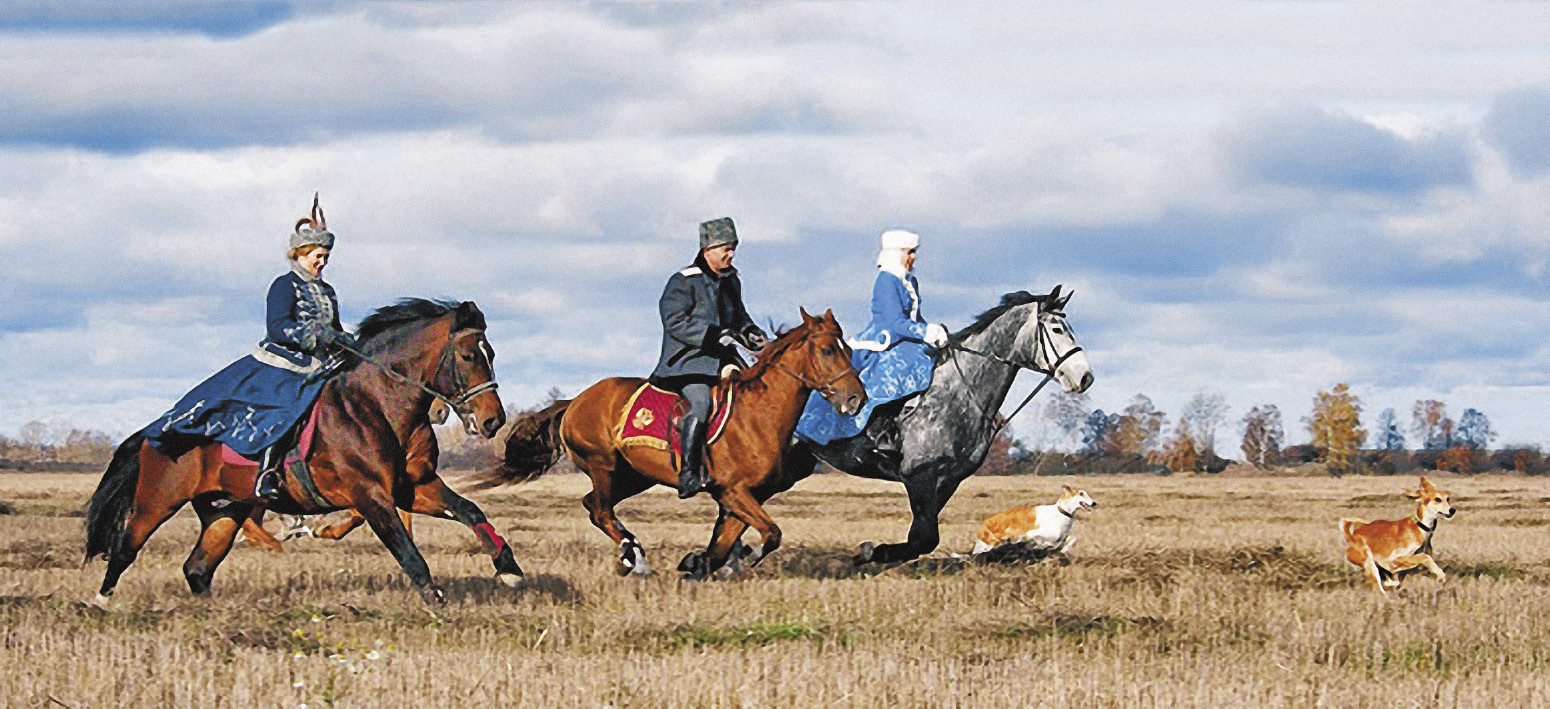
441, 348
1052, 346
466, 373
815, 354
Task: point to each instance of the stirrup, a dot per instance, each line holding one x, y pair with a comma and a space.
270, 482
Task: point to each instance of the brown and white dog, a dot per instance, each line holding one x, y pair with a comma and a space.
1046, 527
1389, 549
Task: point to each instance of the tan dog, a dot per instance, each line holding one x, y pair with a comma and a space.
1389, 549
1047, 527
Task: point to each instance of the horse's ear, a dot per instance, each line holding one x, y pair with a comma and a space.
828, 316
469, 315
806, 319
1066, 299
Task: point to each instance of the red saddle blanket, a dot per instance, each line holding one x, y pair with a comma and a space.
651, 417
303, 444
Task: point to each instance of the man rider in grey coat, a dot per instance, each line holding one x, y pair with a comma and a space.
703, 318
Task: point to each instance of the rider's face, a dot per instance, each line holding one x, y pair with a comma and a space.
909, 259
313, 261
719, 258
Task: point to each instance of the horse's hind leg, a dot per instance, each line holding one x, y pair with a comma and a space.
253, 530
610, 484
219, 530
436, 499
146, 518
340, 529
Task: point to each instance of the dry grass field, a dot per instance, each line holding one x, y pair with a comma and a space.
1192, 591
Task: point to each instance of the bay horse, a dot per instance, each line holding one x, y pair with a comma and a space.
368, 417
742, 464
948, 430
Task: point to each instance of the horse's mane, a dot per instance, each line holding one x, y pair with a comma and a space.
783, 341
985, 319
412, 310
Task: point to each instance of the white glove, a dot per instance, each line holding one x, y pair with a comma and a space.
726, 340
936, 335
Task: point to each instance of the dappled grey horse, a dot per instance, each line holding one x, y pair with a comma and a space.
948, 428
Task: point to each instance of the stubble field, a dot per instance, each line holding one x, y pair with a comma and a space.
1188, 591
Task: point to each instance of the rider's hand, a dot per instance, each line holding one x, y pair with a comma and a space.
936, 335
755, 338
726, 340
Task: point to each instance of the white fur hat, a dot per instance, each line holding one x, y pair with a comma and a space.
900, 239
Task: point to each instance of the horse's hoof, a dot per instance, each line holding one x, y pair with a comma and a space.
433, 596
726, 572
100, 601
511, 580
864, 553
624, 567
690, 560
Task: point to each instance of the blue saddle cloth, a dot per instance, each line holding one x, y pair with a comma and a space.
247, 406
892, 374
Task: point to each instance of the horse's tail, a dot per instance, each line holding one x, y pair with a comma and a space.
532, 447
114, 497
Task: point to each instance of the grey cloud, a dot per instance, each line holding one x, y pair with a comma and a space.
229, 18
1519, 127
1316, 149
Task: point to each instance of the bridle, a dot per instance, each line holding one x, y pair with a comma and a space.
455, 402
824, 388
1043, 343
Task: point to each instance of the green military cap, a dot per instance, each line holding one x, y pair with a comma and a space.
717, 232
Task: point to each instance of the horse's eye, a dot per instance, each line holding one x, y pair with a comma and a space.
828, 350
467, 356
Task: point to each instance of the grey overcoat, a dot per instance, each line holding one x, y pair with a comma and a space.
697, 309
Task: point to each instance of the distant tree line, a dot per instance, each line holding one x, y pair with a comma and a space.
1138, 439
40, 446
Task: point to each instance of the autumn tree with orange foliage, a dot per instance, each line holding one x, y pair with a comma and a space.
1336, 425
1179, 452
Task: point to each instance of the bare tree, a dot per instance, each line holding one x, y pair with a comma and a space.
1262, 435
1206, 413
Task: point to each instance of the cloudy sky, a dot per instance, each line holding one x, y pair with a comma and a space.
1258, 199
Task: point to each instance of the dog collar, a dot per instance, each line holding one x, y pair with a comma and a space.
1423, 527
1071, 514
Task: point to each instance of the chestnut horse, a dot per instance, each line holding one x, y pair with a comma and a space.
368, 418
742, 463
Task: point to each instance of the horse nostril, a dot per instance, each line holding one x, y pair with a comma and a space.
1087, 380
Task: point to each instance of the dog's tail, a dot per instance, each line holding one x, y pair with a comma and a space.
1348, 529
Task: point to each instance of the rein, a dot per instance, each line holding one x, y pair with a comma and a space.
1041, 342
823, 388
454, 402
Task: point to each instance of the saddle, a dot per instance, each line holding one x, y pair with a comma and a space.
651, 418
299, 450
295, 461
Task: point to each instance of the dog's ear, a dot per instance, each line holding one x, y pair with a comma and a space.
1415, 494
1068, 490
1426, 485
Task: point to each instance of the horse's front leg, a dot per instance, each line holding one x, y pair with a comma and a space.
739, 501
436, 499
724, 545
383, 518
926, 504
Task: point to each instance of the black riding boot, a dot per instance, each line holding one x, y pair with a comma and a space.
886, 450
691, 476
269, 480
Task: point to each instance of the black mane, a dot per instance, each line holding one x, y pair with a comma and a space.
1008, 301
411, 310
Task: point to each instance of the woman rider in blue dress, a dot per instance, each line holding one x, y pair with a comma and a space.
253, 403
894, 355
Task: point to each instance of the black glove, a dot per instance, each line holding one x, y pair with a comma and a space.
754, 338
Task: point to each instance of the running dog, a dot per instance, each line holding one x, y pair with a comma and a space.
1389, 549
1046, 528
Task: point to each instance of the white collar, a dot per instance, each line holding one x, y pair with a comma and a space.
302, 273
896, 269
